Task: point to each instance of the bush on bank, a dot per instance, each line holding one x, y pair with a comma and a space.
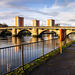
30, 66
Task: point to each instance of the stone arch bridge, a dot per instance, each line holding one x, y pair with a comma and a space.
37, 30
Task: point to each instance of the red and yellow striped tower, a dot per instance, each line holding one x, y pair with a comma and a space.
51, 22
35, 22
19, 21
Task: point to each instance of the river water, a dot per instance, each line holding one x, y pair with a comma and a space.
13, 57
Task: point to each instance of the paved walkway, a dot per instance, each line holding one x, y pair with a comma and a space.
61, 64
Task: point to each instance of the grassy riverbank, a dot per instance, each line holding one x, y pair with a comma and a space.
30, 66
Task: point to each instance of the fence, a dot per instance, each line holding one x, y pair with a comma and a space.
15, 56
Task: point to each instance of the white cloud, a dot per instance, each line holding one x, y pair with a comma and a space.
61, 13
61, 3
71, 5
66, 14
8, 14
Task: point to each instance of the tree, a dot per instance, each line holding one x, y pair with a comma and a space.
4, 25
0, 25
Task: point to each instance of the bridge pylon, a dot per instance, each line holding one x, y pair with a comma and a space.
15, 32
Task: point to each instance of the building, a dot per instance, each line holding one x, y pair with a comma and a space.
19, 21
57, 24
35, 22
51, 22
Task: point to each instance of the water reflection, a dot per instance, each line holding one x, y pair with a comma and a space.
8, 67
72, 36
9, 41
17, 56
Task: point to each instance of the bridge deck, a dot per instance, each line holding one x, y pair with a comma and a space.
40, 27
59, 65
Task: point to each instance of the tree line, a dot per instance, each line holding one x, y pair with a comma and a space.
3, 25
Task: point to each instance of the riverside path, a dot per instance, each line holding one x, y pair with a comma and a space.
61, 64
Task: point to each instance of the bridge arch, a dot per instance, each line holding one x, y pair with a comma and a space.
71, 33
68, 32
26, 31
52, 31
6, 33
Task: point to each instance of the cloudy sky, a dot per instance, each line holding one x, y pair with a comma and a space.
63, 11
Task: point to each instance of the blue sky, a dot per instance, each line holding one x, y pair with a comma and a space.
63, 11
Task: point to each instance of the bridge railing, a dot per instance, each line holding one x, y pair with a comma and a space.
15, 56
40, 27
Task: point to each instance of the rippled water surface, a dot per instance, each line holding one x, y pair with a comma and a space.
13, 57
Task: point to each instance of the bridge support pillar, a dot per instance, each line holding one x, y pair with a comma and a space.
14, 32
35, 32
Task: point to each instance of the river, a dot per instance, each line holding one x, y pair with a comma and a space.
11, 58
